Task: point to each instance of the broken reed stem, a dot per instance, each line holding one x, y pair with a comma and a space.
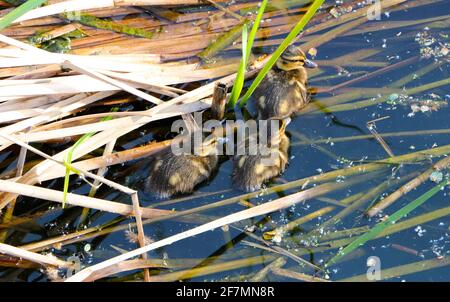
372, 128
219, 101
140, 229
10, 209
403, 190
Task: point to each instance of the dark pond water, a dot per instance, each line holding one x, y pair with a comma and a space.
424, 241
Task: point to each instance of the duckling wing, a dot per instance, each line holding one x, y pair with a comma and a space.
277, 96
250, 171
179, 174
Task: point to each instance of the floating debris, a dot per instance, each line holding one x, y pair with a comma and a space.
132, 237
436, 176
275, 236
312, 52
432, 47
428, 103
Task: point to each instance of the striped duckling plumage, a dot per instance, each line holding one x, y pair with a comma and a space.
283, 92
250, 172
177, 174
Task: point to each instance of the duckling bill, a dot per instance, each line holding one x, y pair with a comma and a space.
251, 171
173, 174
283, 91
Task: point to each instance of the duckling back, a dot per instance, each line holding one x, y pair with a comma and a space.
281, 94
171, 174
251, 171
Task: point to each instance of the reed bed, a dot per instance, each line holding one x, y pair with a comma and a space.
82, 80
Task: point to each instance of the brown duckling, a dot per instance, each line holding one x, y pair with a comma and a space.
251, 171
179, 173
283, 91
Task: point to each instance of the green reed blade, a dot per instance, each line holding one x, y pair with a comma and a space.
222, 42
255, 27
239, 82
286, 42
68, 160
391, 220
19, 11
247, 44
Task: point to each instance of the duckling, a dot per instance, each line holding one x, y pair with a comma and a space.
283, 91
181, 173
251, 171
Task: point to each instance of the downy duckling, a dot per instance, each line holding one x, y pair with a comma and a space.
283, 91
251, 171
180, 173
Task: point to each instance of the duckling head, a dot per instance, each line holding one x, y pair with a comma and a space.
210, 145
294, 58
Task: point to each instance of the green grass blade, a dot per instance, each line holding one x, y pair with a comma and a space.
390, 221
19, 11
286, 42
251, 37
222, 42
68, 160
239, 81
247, 44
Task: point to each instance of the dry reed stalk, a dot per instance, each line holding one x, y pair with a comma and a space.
193, 272
219, 101
55, 242
56, 111
77, 200
34, 257
8, 215
140, 227
109, 160
106, 136
261, 275
101, 171
112, 124
42, 72
96, 75
334, 33
110, 183
296, 275
372, 128
362, 12
372, 74
14, 262
369, 136
405, 189
392, 25
259, 210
